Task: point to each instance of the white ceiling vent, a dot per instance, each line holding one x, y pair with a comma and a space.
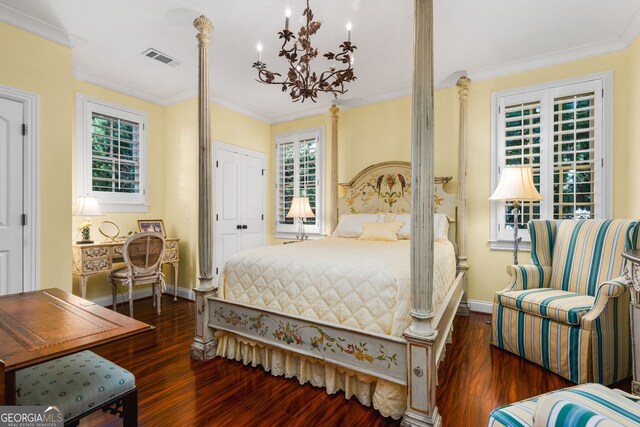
161, 57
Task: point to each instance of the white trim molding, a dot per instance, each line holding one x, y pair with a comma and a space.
106, 301
31, 170
603, 155
109, 201
480, 306
38, 27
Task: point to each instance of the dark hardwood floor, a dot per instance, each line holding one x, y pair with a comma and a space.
174, 390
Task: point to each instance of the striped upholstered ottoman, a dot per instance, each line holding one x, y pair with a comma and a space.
583, 405
79, 384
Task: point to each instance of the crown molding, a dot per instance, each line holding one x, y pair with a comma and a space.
555, 58
117, 87
38, 27
632, 30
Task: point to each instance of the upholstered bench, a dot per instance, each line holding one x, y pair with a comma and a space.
79, 384
578, 406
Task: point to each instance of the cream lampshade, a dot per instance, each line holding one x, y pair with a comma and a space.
87, 206
300, 209
516, 185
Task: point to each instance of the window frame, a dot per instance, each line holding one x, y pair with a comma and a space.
546, 93
288, 231
109, 201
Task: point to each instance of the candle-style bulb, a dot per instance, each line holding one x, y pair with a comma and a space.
287, 15
259, 49
349, 26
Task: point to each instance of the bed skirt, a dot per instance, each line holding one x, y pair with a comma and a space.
388, 398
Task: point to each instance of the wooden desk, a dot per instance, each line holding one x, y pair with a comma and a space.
95, 258
43, 325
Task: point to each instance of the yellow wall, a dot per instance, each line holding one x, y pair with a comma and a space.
632, 92
382, 131
487, 272
368, 134
36, 65
155, 139
181, 164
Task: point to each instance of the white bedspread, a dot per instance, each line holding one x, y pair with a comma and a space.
360, 284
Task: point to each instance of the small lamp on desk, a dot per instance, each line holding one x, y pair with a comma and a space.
86, 206
300, 210
516, 185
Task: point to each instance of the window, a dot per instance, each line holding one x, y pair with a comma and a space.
299, 166
111, 150
562, 131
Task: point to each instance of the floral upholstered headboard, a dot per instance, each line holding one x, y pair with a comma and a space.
386, 187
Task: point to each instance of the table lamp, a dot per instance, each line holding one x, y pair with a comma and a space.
86, 206
516, 185
300, 210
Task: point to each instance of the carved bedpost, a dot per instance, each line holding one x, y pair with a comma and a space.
203, 346
461, 225
420, 336
332, 221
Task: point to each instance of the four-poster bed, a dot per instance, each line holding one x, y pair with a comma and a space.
408, 361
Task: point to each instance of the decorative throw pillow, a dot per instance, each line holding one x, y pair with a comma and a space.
350, 225
383, 231
440, 225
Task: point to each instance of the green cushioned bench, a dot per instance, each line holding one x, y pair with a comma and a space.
79, 384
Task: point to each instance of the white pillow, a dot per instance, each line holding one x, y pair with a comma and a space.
440, 225
381, 231
350, 225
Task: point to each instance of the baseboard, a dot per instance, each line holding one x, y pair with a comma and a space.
463, 309
142, 293
185, 293
480, 306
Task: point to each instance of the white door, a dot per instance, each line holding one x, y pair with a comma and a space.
11, 197
239, 202
252, 195
228, 208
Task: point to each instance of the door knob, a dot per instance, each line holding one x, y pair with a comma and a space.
244, 227
239, 227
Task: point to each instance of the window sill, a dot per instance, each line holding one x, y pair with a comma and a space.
507, 245
123, 207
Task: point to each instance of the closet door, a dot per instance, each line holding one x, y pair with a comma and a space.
239, 203
252, 196
228, 206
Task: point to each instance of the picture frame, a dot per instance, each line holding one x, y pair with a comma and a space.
152, 225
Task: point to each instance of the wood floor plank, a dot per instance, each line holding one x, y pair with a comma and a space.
174, 390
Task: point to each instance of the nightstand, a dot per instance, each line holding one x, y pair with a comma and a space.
632, 271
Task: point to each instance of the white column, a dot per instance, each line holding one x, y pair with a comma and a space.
204, 344
420, 335
332, 194
205, 226
422, 172
461, 224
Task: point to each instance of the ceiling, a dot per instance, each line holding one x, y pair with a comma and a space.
482, 38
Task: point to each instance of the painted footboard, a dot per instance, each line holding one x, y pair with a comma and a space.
374, 354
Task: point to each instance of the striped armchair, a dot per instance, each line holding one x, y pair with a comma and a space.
568, 311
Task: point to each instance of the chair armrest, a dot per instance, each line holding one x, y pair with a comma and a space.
610, 289
528, 276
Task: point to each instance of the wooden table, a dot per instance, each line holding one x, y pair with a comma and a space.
43, 325
93, 258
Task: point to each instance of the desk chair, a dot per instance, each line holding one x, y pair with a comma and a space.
143, 253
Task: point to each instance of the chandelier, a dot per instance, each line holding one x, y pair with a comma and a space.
301, 82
